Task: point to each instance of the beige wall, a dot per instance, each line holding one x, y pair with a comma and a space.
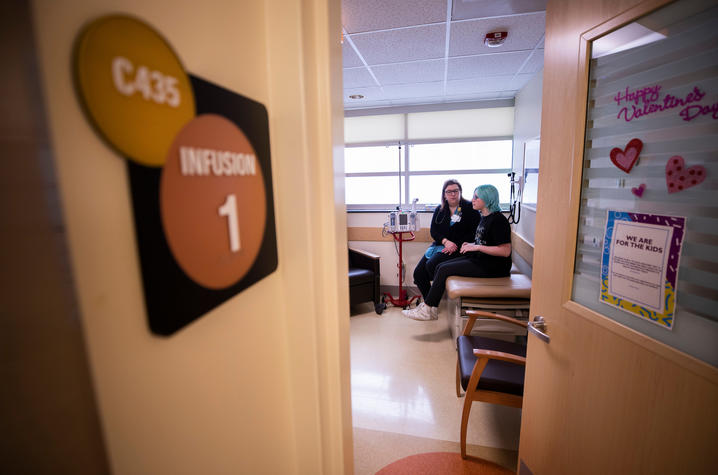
527, 126
259, 384
411, 251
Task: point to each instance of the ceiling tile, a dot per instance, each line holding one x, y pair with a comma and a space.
486, 65
520, 80
403, 73
350, 58
418, 100
409, 44
404, 43
425, 89
480, 85
369, 15
462, 9
524, 31
358, 77
534, 64
369, 93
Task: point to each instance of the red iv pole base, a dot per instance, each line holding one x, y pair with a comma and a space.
402, 300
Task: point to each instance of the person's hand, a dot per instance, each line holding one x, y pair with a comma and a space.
468, 247
449, 247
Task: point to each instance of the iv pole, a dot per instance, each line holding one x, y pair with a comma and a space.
401, 300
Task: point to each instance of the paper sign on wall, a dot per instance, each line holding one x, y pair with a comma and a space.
639, 266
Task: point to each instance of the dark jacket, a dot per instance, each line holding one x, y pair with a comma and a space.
462, 231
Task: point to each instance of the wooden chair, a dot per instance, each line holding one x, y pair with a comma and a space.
489, 370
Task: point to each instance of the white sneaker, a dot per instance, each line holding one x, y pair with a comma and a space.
422, 312
411, 311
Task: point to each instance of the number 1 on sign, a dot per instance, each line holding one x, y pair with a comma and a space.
229, 209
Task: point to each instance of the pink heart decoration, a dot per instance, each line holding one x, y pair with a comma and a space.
678, 177
639, 190
625, 159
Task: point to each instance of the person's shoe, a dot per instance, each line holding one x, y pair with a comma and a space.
411, 312
422, 312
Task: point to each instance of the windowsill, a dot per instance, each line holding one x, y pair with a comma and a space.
384, 211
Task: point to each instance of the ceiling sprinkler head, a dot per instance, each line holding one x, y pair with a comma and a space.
356, 96
495, 38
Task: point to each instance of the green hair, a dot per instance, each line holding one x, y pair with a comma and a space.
489, 195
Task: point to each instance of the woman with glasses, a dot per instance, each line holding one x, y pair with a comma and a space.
487, 255
453, 223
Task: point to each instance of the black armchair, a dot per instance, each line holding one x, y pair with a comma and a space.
364, 279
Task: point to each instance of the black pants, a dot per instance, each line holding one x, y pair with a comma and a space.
462, 266
425, 269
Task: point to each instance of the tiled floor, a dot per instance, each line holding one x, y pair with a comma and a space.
403, 374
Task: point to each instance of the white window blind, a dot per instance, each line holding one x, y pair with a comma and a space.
471, 123
374, 128
664, 93
492, 122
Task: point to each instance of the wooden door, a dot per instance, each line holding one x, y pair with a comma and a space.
600, 398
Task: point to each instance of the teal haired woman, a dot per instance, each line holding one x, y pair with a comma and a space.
488, 256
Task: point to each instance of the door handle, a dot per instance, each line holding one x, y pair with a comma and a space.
538, 328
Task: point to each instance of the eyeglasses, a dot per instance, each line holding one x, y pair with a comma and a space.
451, 192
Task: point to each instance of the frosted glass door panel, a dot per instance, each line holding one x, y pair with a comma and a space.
651, 149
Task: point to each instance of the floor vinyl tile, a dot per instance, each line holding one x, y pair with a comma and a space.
403, 381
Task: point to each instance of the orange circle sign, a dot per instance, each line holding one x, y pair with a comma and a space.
133, 87
212, 201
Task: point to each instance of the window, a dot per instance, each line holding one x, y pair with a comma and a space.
393, 159
530, 172
385, 176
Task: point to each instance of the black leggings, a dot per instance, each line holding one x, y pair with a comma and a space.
461, 266
425, 269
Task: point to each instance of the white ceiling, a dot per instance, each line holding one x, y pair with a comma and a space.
410, 52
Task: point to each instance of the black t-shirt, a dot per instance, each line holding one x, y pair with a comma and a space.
461, 231
493, 230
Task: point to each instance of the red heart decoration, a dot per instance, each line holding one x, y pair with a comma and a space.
625, 159
639, 190
678, 177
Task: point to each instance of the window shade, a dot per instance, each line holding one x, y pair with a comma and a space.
489, 122
374, 128
664, 93
492, 122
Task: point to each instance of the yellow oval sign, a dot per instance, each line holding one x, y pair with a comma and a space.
133, 87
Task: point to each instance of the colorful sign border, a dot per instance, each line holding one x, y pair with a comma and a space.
666, 318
